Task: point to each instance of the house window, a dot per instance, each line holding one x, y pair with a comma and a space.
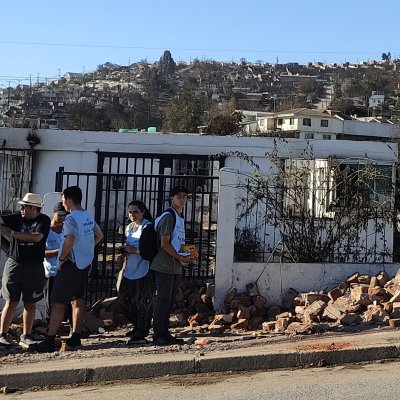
280, 121
307, 188
262, 122
308, 135
307, 121
367, 186
326, 137
291, 121
324, 123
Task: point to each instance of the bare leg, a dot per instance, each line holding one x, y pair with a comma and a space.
78, 314
56, 318
28, 318
7, 315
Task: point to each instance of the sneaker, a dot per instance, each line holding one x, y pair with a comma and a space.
3, 340
130, 333
27, 342
73, 342
175, 340
135, 340
47, 346
162, 341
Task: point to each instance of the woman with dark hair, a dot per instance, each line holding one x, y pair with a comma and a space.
136, 291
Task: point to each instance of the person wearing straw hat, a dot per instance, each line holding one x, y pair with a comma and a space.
23, 272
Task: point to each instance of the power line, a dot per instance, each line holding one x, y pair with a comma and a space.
189, 49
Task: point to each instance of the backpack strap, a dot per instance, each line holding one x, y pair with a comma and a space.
171, 211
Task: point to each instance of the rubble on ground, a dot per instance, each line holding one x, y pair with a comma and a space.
360, 299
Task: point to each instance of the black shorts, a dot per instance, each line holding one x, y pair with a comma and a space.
69, 283
23, 278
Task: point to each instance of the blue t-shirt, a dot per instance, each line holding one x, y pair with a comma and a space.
53, 242
136, 266
81, 225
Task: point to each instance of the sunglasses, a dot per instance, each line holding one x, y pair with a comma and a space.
23, 206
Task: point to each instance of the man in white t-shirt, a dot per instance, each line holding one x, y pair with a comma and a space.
80, 236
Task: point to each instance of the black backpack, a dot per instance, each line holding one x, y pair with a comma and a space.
148, 248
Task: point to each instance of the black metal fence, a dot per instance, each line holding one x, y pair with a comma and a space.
15, 177
107, 196
317, 216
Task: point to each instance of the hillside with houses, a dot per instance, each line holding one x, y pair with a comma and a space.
208, 96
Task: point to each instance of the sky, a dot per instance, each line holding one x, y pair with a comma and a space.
43, 39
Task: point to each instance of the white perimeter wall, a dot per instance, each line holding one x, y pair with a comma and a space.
76, 151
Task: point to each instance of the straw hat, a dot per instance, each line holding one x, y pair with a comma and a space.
32, 199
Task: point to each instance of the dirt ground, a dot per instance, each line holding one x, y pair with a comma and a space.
114, 343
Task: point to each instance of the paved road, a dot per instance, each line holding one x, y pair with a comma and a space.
379, 380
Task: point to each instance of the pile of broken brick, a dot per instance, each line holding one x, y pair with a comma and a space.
359, 300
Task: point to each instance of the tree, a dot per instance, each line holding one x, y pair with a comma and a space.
225, 124
224, 119
183, 115
85, 117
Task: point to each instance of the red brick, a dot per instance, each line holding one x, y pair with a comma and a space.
241, 324
252, 289
331, 312
260, 301
281, 324
273, 312
382, 278
353, 278
313, 311
364, 279
394, 323
268, 326
335, 293
243, 313
230, 295
351, 318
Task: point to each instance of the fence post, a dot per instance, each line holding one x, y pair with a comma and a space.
225, 234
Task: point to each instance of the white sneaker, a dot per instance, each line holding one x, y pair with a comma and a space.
3, 341
26, 341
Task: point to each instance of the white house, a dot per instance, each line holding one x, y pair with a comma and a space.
376, 99
303, 123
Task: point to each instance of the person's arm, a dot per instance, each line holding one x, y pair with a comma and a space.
51, 253
66, 249
166, 246
34, 237
98, 234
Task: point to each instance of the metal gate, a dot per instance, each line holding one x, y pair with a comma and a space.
122, 178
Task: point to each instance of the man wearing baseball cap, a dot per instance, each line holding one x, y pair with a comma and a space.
53, 244
23, 272
167, 264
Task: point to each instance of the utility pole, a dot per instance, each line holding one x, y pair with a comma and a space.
9, 93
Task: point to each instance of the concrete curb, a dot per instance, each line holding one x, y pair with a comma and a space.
45, 374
